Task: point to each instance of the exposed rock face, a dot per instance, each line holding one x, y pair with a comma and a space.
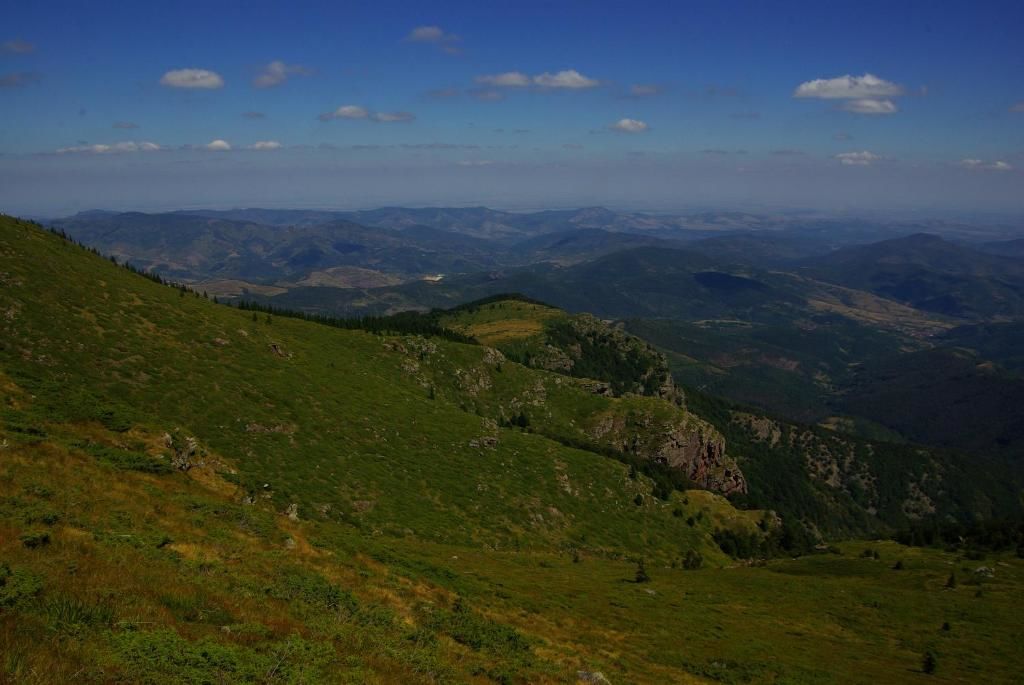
701, 455
684, 443
185, 451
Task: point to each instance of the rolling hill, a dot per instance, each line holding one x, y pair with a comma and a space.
193, 493
930, 274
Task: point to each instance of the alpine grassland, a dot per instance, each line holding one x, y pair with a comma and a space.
196, 493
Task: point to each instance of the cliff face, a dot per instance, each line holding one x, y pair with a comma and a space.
606, 390
679, 440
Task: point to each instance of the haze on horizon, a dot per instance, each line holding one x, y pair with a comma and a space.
855, 107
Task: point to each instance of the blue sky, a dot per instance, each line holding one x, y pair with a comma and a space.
828, 105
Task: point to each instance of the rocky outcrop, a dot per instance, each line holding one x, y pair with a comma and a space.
584, 346
185, 450
701, 455
681, 442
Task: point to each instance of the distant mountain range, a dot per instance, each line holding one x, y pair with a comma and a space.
807, 318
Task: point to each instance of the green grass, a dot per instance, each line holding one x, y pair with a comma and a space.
420, 553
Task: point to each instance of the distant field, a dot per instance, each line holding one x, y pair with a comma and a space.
502, 322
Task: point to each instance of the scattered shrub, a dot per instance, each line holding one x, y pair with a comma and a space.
17, 586
35, 539
693, 560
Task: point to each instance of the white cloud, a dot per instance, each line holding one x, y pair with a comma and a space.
103, 149
982, 165
192, 78
218, 145
426, 34
642, 90
869, 106
508, 78
862, 158
434, 35
277, 72
475, 162
266, 145
629, 126
357, 112
849, 87
18, 47
392, 117
125, 124
346, 112
567, 78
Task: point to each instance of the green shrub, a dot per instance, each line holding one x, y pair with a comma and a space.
17, 586
163, 656
35, 539
476, 632
66, 614
314, 590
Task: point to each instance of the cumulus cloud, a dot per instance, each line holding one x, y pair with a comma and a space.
218, 145
18, 79
346, 112
103, 149
848, 87
358, 112
867, 94
277, 72
435, 35
392, 117
265, 145
125, 124
567, 78
862, 158
982, 165
626, 125
869, 106
505, 79
254, 115
192, 78
18, 47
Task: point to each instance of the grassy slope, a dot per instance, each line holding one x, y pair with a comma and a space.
97, 363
